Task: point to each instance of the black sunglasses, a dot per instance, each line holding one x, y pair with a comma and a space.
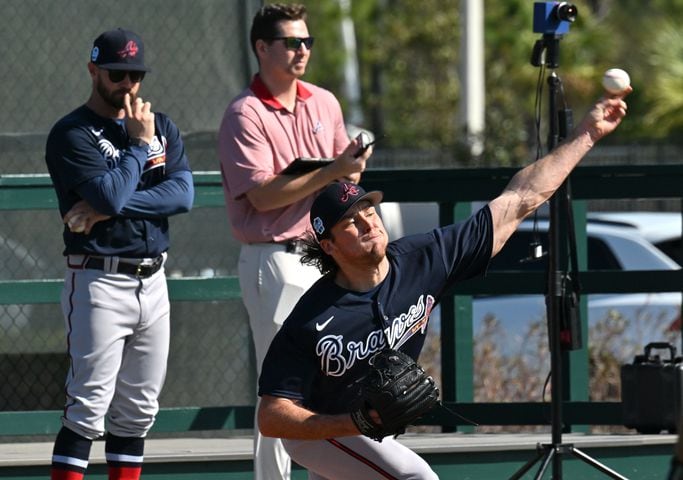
117, 76
294, 43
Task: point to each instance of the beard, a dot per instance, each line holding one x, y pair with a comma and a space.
113, 98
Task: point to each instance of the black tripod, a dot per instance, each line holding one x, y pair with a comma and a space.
561, 290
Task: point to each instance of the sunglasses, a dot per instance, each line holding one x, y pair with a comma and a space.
294, 43
116, 76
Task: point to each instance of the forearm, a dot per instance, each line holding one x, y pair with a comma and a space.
282, 190
282, 418
108, 193
536, 183
172, 196
314, 427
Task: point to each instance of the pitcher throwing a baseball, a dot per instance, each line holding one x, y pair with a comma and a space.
375, 296
119, 171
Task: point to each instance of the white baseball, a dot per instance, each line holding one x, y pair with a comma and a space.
615, 81
76, 224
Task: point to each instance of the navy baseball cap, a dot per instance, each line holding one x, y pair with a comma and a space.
119, 50
334, 201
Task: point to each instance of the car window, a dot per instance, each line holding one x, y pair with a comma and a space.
516, 254
600, 256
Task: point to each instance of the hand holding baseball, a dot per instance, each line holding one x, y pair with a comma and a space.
139, 118
82, 217
76, 223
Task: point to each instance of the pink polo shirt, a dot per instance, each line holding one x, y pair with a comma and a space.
258, 138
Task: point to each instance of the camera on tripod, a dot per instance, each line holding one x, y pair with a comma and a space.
553, 17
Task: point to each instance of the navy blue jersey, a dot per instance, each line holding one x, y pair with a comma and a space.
325, 343
90, 157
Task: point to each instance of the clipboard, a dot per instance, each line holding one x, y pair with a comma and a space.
305, 164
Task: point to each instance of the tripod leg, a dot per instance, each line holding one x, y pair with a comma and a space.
544, 466
591, 461
527, 466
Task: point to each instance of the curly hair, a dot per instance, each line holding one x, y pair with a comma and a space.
315, 256
265, 24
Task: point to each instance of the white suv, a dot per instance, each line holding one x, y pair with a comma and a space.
662, 229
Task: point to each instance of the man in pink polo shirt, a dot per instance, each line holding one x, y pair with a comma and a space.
277, 119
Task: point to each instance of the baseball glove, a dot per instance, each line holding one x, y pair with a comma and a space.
398, 389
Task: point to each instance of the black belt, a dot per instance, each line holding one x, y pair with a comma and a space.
140, 270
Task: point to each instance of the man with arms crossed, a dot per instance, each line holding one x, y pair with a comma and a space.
119, 171
276, 120
377, 295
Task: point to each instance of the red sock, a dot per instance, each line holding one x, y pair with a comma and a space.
124, 473
61, 474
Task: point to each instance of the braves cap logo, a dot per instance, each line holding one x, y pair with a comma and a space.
348, 192
318, 225
130, 50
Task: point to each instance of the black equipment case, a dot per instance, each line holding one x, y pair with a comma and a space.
651, 390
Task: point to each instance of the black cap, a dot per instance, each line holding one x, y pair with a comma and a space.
334, 201
119, 50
